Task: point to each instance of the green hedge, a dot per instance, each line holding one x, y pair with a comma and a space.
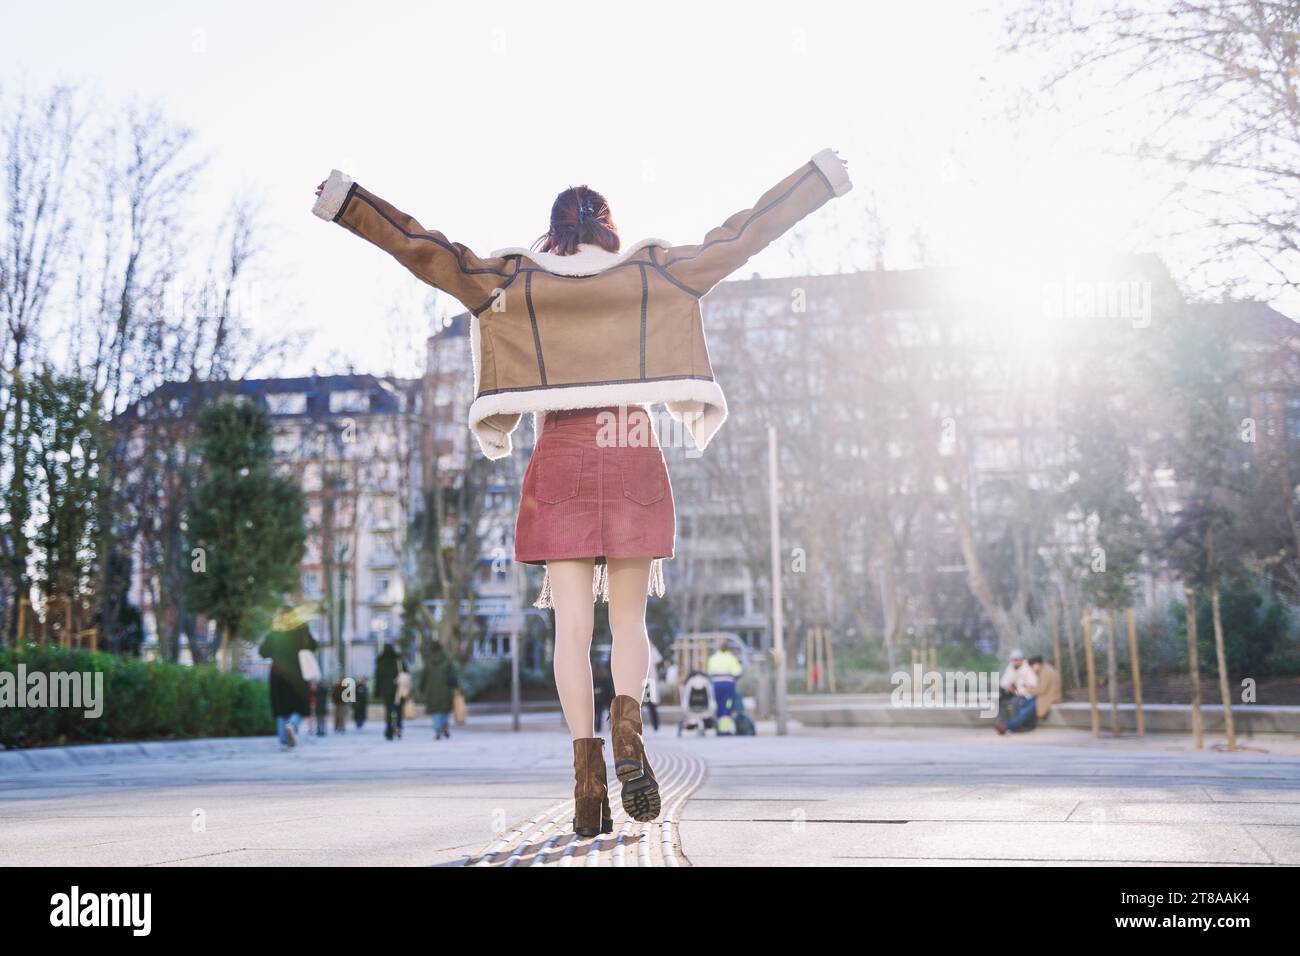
142, 700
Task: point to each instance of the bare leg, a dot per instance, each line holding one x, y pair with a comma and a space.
630, 659
575, 618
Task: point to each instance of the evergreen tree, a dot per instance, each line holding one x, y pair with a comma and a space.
245, 523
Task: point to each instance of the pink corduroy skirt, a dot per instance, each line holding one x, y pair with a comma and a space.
596, 487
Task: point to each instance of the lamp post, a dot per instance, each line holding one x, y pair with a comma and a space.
516, 626
778, 626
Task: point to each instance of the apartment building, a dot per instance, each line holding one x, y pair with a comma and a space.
879, 383
351, 442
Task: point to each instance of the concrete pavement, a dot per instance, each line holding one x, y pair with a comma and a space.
909, 797
821, 796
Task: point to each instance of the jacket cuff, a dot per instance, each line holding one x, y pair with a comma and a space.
833, 169
330, 200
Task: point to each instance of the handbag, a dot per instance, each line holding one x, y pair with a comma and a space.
408, 709
309, 666
459, 711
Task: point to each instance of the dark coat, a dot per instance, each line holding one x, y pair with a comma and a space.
439, 680
386, 675
289, 692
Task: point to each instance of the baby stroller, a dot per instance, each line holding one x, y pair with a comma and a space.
698, 704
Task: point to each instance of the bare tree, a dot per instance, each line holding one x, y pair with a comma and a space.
39, 139
1216, 84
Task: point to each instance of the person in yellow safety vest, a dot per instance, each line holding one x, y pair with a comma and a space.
724, 671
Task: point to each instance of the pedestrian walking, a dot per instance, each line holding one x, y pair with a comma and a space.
361, 703
439, 683
724, 669
402, 695
386, 671
321, 704
284, 645
587, 337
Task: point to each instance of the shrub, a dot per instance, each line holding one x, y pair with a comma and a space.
142, 700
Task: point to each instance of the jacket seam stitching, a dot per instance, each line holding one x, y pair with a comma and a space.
824, 178
346, 199
532, 318
612, 381
645, 301
456, 253
618, 265
499, 290
741, 231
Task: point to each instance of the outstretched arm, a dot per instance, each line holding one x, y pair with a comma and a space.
729, 246
427, 253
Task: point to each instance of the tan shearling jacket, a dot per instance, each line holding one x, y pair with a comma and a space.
1048, 691
594, 328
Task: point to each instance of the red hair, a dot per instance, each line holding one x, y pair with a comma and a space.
579, 215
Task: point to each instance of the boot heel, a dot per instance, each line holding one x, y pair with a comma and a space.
591, 815
627, 770
588, 817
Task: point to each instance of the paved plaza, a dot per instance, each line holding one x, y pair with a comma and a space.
490, 797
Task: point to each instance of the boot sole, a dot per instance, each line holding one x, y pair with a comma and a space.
641, 798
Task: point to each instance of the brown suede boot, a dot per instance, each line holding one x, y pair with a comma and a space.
640, 789
591, 814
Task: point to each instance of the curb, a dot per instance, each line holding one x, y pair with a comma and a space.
1159, 718
93, 755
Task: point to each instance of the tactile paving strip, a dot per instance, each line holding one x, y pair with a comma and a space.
547, 839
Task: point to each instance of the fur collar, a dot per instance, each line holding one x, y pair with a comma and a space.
589, 260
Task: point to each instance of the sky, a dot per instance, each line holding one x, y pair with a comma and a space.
471, 117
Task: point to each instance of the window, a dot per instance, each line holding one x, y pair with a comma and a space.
350, 400
287, 403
